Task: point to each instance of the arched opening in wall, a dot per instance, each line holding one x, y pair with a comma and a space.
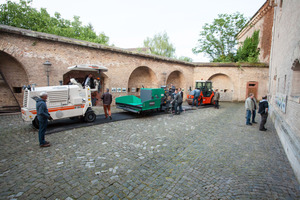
295, 91
141, 77
224, 84
177, 79
80, 76
12, 78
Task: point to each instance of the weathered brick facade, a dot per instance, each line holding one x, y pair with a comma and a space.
262, 21
284, 79
29, 50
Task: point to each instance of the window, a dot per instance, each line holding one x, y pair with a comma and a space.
280, 3
17, 89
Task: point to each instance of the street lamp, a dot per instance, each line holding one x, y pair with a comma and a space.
47, 66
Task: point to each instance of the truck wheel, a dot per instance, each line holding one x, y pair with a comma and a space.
90, 116
35, 123
212, 100
201, 102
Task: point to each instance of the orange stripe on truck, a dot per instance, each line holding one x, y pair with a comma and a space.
60, 108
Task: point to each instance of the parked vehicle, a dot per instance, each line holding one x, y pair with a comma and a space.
64, 101
206, 95
150, 99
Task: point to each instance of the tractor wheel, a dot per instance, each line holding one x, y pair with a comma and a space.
90, 116
212, 100
35, 123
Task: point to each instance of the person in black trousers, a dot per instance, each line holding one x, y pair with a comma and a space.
263, 109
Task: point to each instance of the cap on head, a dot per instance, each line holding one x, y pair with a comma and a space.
43, 94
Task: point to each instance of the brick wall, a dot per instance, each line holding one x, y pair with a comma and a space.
125, 69
262, 21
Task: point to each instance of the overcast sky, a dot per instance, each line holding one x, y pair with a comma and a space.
129, 22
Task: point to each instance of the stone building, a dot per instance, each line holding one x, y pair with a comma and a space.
262, 21
23, 52
284, 79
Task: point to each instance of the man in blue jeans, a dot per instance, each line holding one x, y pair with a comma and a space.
196, 96
249, 105
43, 116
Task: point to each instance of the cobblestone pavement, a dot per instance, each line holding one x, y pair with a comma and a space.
200, 154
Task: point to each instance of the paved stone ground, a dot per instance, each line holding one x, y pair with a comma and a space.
201, 154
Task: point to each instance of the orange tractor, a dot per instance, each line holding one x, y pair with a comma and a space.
206, 96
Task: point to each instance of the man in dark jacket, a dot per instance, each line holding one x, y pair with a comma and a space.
177, 102
263, 109
89, 81
43, 116
107, 99
217, 98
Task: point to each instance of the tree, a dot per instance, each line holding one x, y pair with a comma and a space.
249, 52
186, 59
22, 15
217, 40
159, 45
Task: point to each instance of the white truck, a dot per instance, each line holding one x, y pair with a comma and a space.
64, 101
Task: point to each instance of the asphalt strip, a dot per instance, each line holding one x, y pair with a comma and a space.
68, 124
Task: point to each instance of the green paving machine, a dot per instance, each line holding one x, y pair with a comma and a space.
151, 99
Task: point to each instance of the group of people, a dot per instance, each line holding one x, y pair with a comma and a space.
251, 107
176, 99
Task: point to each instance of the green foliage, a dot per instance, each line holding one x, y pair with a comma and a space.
186, 59
217, 40
159, 45
249, 52
22, 15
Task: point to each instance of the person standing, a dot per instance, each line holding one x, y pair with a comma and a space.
263, 110
254, 110
172, 88
180, 105
217, 98
177, 101
89, 81
249, 108
107, 99
42, 116
196, 97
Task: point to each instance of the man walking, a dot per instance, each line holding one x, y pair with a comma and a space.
196, 96
263, 111
217, 98
43, 116
249, 108
107, 99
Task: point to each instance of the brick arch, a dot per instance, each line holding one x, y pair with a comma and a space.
16, 77
225, 85
142, 76
177, 79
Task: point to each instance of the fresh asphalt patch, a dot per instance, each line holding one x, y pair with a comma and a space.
69, 124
